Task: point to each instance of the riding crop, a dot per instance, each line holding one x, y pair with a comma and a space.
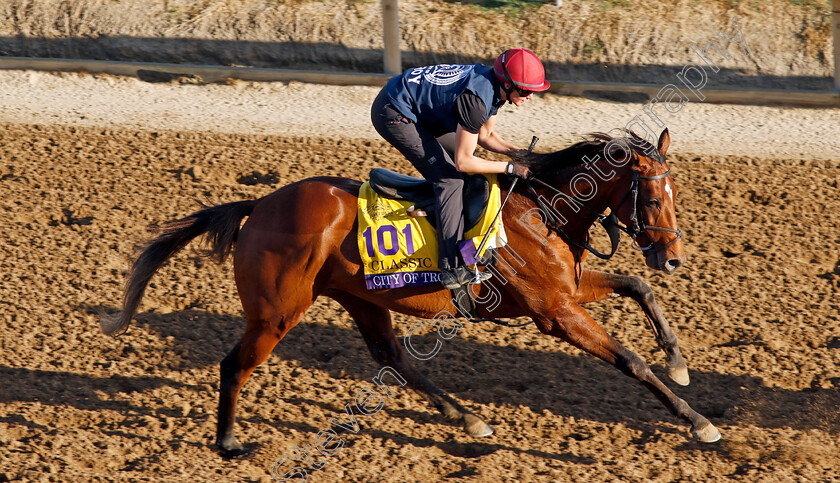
499, 213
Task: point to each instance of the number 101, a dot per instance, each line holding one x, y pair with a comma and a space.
390, 232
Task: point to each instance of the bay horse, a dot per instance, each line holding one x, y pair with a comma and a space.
300, 242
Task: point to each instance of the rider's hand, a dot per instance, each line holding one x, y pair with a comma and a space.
518, 170
518, 155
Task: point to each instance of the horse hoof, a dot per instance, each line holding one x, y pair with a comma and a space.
230, 447
475, 427
707, 434
679, 375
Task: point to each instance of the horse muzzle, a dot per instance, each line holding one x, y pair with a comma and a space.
665, 260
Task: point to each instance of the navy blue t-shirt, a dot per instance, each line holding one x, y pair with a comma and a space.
426, 95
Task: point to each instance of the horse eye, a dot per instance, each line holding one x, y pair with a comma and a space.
655, 203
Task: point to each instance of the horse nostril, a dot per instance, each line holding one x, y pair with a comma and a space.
672, 264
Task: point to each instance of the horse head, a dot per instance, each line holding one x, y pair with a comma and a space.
645, 201
626, 174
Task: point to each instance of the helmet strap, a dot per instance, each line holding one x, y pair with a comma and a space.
508, 91
510, 81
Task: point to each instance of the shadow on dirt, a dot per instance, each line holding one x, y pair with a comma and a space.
321, 56
475, 449
56, 388
479, 373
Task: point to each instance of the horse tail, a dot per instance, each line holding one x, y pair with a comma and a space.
219, 224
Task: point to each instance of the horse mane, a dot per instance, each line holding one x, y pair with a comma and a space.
593, 145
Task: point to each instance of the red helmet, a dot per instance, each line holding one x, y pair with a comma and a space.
522, 68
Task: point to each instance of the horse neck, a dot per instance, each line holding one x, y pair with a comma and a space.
576, 211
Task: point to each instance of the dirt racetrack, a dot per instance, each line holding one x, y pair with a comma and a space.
756, 310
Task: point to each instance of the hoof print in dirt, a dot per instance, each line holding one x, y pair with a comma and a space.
69, 219
255, 177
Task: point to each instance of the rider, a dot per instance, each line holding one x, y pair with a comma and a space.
436, 115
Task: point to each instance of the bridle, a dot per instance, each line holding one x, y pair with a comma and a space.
640, 227
609, 222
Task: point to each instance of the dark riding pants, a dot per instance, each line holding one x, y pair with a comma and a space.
432, 156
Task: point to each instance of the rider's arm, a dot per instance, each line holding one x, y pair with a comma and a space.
472, 130
491, 141
465, 159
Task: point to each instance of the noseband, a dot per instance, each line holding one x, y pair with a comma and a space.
609, 222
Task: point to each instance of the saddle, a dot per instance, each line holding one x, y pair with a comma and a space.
419, 191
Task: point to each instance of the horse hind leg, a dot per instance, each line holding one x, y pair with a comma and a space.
271, 308
595, 286
374, 323
253, 349
234, 370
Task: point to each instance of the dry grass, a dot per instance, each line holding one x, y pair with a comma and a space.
591, 38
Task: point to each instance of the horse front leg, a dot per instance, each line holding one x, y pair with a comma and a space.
570, 322
596, 286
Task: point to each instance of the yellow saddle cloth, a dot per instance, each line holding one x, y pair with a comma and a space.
398, 250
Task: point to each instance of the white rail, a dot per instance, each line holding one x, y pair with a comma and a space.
209, 73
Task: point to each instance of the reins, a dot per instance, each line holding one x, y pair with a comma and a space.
609, 222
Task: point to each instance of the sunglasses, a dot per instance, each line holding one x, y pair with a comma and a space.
524, 92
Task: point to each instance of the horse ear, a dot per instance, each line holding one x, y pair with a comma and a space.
664, 141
